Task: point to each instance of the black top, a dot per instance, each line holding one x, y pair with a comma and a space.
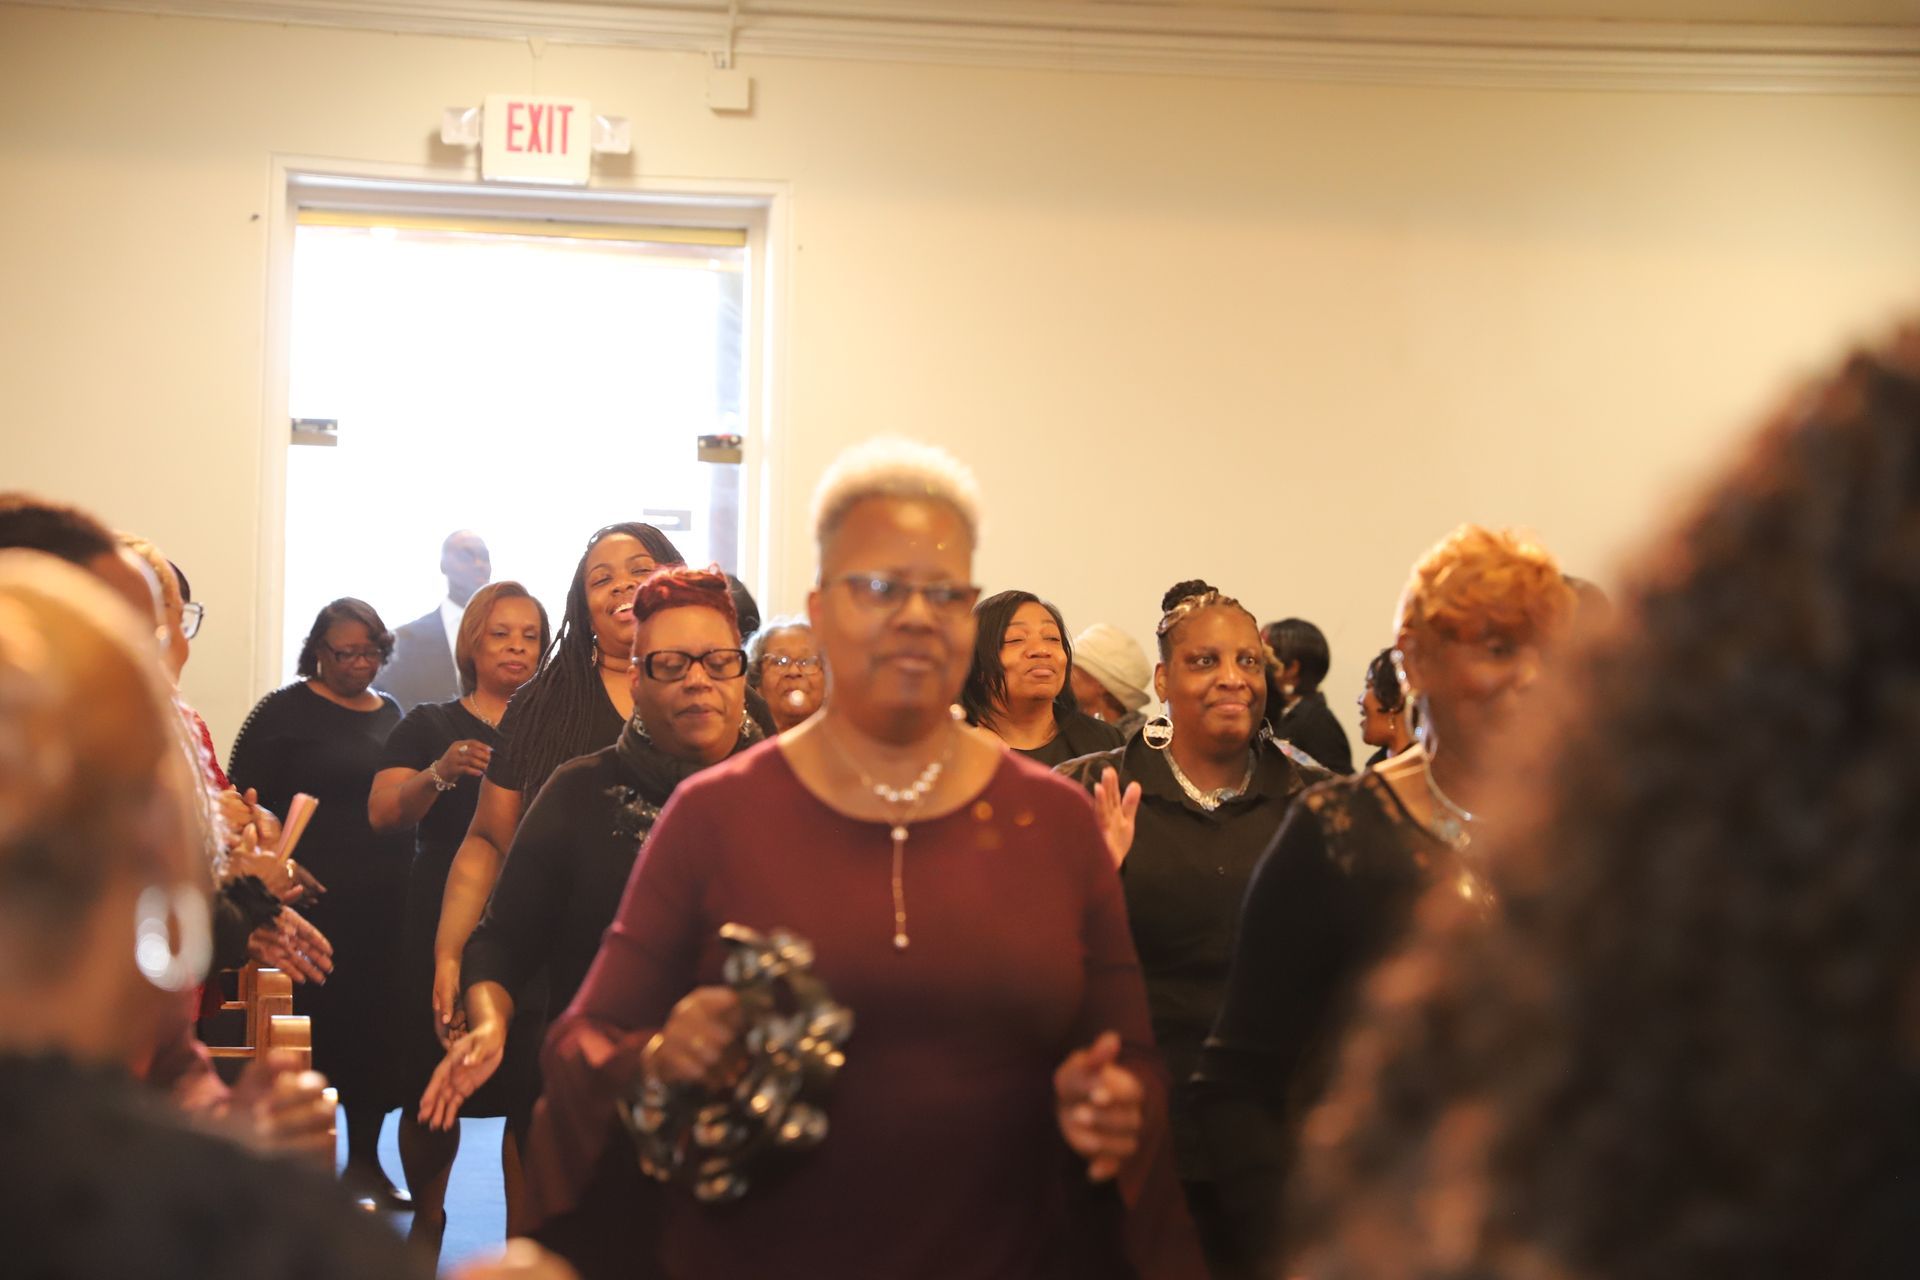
105, 1182
509, 768
1185, 878
1331, 897
1313, 728
567, 868
419, 740
297, 740
1080, 734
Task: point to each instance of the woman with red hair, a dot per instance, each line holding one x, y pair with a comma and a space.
1335, 891
569, 865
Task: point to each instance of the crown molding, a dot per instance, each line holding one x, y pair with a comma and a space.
1076, 35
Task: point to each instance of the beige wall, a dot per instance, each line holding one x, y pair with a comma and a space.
1280, 336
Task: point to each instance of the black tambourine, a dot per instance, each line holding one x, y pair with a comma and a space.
709, 1142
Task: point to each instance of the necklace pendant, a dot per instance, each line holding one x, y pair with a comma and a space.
899, 942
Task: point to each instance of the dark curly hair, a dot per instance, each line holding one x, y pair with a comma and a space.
345, 609
1687, 1046
1383, 678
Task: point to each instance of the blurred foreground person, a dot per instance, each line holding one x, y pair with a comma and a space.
958, 900
1689, 1046
1336, 891
103, 924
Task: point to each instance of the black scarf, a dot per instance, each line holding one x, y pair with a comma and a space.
655, 774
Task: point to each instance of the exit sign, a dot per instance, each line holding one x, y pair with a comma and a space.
527, 138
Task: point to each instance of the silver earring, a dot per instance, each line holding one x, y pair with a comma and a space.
153, 950
1158, 732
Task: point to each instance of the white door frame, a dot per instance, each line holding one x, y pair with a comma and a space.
762, 207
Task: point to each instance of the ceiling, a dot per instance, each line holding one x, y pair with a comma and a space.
1774, 12
1742, 46
1795, 12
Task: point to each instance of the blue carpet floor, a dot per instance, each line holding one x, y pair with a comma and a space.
476, 1205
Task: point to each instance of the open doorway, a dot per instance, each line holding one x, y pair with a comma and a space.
530, 379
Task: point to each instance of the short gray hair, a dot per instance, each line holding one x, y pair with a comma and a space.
892, 467
758, 650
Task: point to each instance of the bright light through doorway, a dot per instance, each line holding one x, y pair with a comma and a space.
529, 387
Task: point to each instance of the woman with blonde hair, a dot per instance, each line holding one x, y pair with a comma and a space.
429, 784
1335, 891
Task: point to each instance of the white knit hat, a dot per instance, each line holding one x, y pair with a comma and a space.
1110, 656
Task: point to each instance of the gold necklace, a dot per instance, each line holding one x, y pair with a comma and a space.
472, 703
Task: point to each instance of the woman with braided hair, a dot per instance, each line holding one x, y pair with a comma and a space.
577, 704
1187, 806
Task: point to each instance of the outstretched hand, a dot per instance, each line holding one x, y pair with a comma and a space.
1116, 811
470, 1062
1098, 1105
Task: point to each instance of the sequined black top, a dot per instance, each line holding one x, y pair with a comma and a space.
1331, 896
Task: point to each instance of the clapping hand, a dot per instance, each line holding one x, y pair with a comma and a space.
1098, 1105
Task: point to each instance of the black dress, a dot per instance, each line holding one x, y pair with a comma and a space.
296, 740
1185, 878
104, 1182
421, 739
1330, 898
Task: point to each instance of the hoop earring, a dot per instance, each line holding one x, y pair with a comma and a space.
153, 951
1158, 732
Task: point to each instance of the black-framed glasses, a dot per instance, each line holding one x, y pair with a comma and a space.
670, 666
344, 656
783, 661
192, 614
889, 595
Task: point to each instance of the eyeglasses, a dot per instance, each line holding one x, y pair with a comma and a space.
670, 666
783, 661
890, 595
344, 656
191, 615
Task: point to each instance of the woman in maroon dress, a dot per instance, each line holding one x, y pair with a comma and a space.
1001, 1076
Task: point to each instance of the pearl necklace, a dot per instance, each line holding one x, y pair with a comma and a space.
913, 795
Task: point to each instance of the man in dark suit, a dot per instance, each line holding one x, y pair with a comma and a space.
422, 669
